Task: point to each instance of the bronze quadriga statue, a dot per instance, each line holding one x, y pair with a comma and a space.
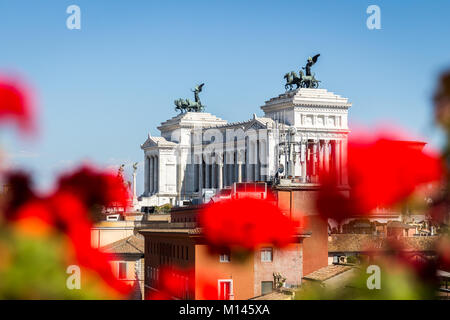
186, 105
302, 80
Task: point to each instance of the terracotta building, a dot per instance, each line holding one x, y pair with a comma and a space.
128, 264
180, 244
297, 200
360, 246
236, 278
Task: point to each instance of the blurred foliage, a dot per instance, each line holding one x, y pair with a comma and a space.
397, 283
35, 268
353, 259
165, 208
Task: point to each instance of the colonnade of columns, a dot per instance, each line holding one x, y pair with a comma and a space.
324, 155
153, 174
244, 165
316, 155
247, 165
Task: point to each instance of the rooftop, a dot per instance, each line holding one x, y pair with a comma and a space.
132, 245
191, 228
398, 224
276, 295
327, 272
363, 242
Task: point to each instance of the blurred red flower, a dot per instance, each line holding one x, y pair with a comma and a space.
15, 104
19, 191
35, 218
381, 173
245, 223
96, 187
176, 283
72, 215
172, 284
67, 211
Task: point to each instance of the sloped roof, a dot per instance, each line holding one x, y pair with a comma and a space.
264, 120
363, 242
327, 272
399, 224
275, 295
157, 141
132, 244
196, 231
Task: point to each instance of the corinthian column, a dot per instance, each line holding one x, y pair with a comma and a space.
134, 185
207, 175
344, 162
220, 171
239, 158
303, 154
146, 173
156, 174
213, 173
321, 155
150, 175
337, 159
314, 160
326, 146
200, 175
248, 166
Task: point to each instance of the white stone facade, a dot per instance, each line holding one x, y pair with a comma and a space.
301, 131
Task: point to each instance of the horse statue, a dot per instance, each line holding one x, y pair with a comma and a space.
194, 106
180, 105
303, 81
309, 81
292, 79
186, 105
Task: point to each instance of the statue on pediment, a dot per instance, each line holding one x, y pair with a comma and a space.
302, 80
187, 105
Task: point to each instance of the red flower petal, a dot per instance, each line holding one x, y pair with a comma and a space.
381, 173
96, 187
245, 223
15, 104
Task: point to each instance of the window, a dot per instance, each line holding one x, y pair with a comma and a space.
122, 270
266, 287
224, 257
266, 255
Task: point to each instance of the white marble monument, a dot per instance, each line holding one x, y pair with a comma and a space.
301, 131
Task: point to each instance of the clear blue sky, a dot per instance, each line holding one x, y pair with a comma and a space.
103, 88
